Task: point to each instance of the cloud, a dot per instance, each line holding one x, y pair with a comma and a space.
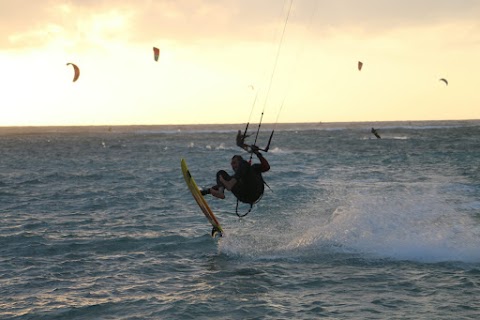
29, 24
388, 14
36, 23
33, 23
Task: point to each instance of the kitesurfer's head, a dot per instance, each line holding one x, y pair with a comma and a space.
236, 162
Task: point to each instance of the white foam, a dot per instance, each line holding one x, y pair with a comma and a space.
417, 225
425, 228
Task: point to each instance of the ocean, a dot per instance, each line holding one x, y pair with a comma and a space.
97, 223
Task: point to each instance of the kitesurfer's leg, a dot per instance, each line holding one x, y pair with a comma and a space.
218, 190
225, 175
215, 191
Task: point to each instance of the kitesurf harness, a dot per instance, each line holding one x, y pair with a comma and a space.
250, 209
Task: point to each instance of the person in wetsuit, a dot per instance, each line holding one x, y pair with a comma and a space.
246, 183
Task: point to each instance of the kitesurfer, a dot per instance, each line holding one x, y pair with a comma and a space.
375, 132
246, 184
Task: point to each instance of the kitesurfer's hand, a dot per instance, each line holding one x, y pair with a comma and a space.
240, 139
255, 149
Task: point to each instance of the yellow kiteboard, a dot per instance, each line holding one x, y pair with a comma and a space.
202, 203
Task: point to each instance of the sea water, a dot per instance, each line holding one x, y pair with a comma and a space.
97, 223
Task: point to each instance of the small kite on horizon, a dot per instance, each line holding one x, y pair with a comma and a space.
360, 65
156, 53
444, 80
76, 69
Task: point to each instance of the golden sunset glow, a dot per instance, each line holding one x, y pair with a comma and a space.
215, 57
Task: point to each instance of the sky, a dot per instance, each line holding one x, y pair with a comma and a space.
226, 61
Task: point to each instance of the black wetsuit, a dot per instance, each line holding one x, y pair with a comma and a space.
250, 185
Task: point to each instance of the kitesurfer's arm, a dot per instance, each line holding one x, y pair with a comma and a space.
264, 165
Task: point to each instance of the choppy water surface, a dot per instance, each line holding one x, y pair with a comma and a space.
98, 224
